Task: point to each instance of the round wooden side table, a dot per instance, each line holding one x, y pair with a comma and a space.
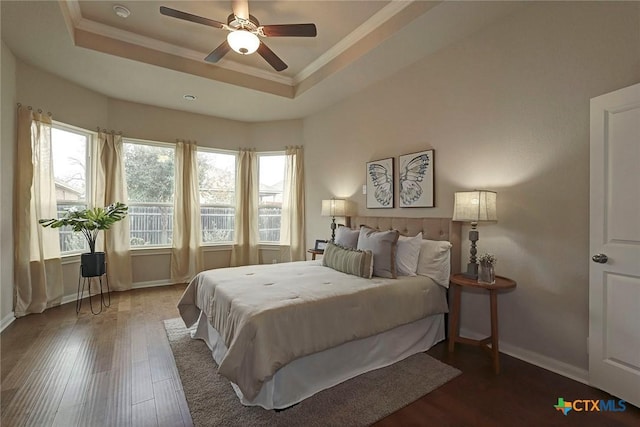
315, 252
459, 281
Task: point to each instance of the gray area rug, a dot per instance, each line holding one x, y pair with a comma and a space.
359, 401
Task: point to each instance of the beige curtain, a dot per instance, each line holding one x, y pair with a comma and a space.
245, 250
109, 186
292, 238
186, 254
38, 269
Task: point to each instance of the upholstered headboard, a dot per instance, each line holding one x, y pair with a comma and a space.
432, 229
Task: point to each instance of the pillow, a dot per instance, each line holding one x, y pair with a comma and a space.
346, 237
407, 255
434, 261
350, 261
383, 246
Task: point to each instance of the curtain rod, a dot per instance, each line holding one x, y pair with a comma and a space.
113, 132
29, 107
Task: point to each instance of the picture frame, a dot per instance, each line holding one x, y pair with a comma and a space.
380, 184
416, 186
320, 245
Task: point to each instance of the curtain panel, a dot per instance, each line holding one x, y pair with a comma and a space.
186, 251
292, 237
110, 186
245, 249
37, 264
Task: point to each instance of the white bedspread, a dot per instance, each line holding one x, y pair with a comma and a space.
269, 315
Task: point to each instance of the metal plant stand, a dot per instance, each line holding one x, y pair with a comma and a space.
105, 297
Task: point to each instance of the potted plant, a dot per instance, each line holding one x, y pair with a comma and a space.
90, 222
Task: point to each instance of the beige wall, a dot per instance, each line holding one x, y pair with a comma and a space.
508, 110
8, 135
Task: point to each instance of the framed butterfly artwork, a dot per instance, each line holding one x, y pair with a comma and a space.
415, 175
380, 184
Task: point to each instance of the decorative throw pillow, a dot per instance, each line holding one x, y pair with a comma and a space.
434, 261
383, 246
350, 261
347, 238
407, 255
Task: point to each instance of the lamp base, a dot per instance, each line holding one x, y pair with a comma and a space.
472, 271
333, 229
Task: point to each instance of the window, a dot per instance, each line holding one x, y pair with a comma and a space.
271, 186
149, 169
217, 183
69, 148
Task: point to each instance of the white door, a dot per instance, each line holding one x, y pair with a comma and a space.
614, 272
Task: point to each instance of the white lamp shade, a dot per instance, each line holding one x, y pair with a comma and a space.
334, 207
243, 42
474, 206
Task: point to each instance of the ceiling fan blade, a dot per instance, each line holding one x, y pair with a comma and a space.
271, 57
240, 8
189, 17
290, 30
218, 52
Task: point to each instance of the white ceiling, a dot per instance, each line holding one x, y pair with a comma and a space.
154, 59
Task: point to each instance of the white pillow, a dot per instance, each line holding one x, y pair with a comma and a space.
347, 238
434, 261
407, 255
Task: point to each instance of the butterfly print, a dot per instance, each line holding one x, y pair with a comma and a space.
383, 182
411, 175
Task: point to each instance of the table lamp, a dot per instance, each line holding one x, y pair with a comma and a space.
334, 208
474, 206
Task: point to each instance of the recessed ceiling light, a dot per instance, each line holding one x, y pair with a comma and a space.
190, 97
121, 11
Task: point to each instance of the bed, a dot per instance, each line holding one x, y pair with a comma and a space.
283, 332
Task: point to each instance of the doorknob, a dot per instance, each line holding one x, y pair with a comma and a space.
600, 258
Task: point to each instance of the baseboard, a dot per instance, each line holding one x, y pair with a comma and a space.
537, 359
7, 320
152, 284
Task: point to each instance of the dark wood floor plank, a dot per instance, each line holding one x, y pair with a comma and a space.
94, 411
167, 405
143, 414
141, 384
184, 408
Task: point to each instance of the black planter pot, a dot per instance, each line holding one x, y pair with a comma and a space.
92, 264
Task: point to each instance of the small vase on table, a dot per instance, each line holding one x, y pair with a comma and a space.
487, 272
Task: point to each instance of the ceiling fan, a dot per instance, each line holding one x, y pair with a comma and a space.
244, 32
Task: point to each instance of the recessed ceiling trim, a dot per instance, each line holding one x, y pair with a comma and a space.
149, 43
379, 18
97, 42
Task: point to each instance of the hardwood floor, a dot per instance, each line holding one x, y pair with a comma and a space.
116, 369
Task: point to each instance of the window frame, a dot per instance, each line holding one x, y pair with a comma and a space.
280, 153
88, 201
164, 204
233, 205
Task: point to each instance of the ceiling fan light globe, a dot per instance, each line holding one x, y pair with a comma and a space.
243, 42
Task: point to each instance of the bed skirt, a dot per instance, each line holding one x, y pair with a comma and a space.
306, 376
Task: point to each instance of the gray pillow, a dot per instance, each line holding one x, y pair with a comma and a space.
347, 238
350, 261
383, 246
